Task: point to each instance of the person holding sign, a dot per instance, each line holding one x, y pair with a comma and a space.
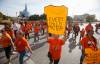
55, 47
56, 21
89, 41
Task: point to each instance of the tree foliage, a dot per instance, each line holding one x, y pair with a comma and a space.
4, 17
90, 18
34, 17
43, 17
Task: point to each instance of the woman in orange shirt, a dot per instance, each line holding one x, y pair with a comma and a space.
7, 44
36, 32
21, 45
55, 47
89, 41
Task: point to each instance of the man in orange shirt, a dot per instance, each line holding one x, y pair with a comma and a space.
21, 45
55, 47
89, 41
6, 43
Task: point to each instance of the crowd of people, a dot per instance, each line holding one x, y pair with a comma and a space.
87, 39
15, 38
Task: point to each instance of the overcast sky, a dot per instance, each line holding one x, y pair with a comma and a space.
76, 7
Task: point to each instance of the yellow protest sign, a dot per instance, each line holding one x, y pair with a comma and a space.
92, 56
56, 18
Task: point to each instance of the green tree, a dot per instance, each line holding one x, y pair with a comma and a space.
1, 15
5, 17
34, 17
43, 17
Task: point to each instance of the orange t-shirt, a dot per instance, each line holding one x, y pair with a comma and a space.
36, 29
23, 28
11, 33
30, 26
55, 48
5, 40
26, 29
89, 43
21, 44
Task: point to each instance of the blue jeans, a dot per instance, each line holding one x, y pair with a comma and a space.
21, 57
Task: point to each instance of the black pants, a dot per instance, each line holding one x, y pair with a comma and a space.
51, 60
7, 52
82, 57
15, 31
27, 35
68, 33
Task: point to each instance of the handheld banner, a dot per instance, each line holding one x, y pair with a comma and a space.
92, 56
56, 18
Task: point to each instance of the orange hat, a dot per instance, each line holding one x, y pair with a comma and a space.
89, 27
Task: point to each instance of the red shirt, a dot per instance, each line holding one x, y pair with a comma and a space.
21, 44
55, 48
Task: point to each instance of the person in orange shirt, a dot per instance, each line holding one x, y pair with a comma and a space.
89, 41
11, 33
7, 44
55, 47
26, 30
36, 31
21, 45
30, 27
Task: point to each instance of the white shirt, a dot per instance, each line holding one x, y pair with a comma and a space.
16, 26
